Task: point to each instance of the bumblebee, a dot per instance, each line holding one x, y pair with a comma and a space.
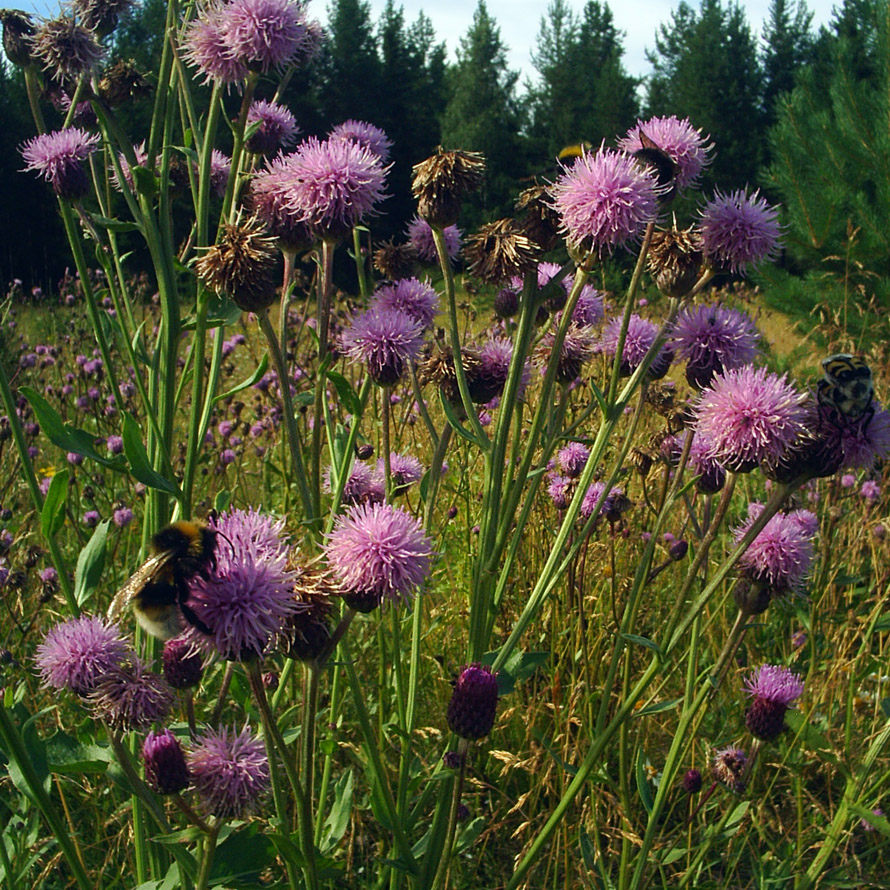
159, 589
847, 386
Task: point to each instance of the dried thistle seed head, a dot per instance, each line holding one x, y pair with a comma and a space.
578, 347
439, 370
122, 83
641, 461
661, 398
500, 251
100, 16
66, 50
395, 261
539, 219
307, 631
241, 265
675, 258
442, 180
18, 33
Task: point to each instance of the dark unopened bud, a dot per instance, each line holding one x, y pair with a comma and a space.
765, 719
452, 759
166, 771
452, 512
101, 16
18, 32
183, 667
364, 451
270, 681
463, 812
307, 632
363, 602
441, 181
506, 302
473, 702
678, 550
692, 781
675, 258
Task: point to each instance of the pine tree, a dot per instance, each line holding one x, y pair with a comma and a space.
788, 45
484, 115
831, 162
706, 68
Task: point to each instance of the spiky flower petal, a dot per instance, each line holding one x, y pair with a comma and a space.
739, 230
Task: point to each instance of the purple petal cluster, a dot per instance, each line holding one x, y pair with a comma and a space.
867, 439
76, 654
364, 134
750, 415
678, 139
495, 356
714, 339
572, 459
379, 550
781, 556
58, 157
738, 230
362, 486
277, 128
775, 683
589, 309
410, 295
384, 340
230, 772
605, 200
405, 469
641, 334
247, 598
420, 235
131, 696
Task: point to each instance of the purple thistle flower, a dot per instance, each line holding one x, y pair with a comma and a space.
605, 200
866, 439
781, 556
384, 340
267, 34
166, 771
362, 486
220, 167
415, 297
405, 470
495, 356
711, 474
678, 139
560, 491
333, 186
247, 598
641, 334
127, 174
714, 339
380, 552
76, 654
572, 459
115, 445
122, 516
230, 772
277, 128
183, 664
738, 229
773, 689
870, 490
420, 236
729, 767
474, 701
750, 415
366, 135
205, 46
578, 347
271, 194
589, 309
58, 157
130, 696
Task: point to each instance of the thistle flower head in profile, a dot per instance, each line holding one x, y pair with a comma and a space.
277, 128
739, 230
420, 236
58, 157
366, 135
442, 181
473, 704
66, 50
773, 690
18, 35
499, 251
131, 696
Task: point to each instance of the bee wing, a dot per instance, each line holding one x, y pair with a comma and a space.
136, 582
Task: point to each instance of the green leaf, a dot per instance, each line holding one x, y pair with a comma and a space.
658, 707
140, 466
115, 225
518, 668
879, 823
145, 181
738, 814
674, 855
643, 788
261, 369
338, 818
52, 516
65, 436
645, 642
222, 500
67, 756
346, 392
90, 563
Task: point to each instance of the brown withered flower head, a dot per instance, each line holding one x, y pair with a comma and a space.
395, 261
122, 83
499, 251
307, 632
577, 348
241, 264
442, 180
66, 50
101, 16
675, 257
439, 370
18, 32
538, 217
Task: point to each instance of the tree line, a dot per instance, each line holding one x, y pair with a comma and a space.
766, 102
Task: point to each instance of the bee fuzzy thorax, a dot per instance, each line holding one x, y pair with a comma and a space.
847, 385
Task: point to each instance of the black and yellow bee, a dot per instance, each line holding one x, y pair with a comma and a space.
159, 589
847, 386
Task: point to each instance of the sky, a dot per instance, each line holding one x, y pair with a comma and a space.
520, 21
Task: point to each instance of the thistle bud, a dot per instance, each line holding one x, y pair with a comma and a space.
166, 771
471, 710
